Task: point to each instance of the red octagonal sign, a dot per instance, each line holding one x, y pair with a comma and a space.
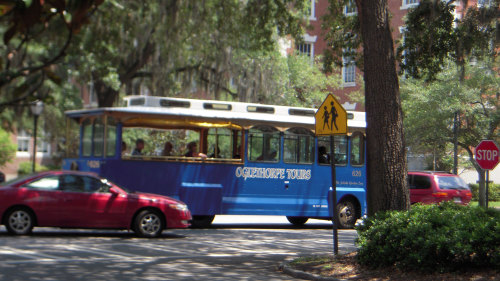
487, 154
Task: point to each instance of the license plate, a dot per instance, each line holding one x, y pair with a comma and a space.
457, 199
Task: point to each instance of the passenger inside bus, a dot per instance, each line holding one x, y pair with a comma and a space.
271, 156
124, 148
193, 151
167, 149
139, 146
216, 153
323, 157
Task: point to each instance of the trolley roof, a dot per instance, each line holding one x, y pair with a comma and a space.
166, 112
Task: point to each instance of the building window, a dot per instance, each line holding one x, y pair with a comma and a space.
312, 10
305, 49
42, 146
483, 3
349, 72
23, 141
350, 9
407, 4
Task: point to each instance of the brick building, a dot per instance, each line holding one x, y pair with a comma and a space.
315, 45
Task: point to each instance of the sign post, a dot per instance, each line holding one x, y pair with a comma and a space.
487, 155
331, 120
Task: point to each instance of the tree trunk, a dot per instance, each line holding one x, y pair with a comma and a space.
106, 96
387, 186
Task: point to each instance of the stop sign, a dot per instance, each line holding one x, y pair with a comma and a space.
487, 154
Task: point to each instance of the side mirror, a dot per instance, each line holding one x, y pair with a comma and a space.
114, 191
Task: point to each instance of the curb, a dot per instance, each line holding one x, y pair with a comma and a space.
288, 270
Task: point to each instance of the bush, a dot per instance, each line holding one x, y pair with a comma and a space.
493, 191
7, 148
429, 238
26, 168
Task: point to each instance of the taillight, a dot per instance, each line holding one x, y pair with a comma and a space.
440, 194
468, 194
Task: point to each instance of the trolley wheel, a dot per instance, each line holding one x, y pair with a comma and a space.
149, 224
20, 221
202, 221
346, 212
297, 221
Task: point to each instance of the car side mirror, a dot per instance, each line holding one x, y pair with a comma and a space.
114, 191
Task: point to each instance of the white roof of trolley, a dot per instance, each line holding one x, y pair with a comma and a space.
238, 113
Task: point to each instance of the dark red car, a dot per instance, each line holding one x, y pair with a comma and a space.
71, 199
433, 187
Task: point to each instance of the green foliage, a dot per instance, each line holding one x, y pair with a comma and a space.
26, 168
7, 148
433, 35
430, 37
493, 191
185, 47
36, 35
431, 238
343, 34
430, 110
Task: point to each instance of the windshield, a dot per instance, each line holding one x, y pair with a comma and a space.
452, 183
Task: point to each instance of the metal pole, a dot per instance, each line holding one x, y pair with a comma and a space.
34, 142
487, 185
334, 197
455, 144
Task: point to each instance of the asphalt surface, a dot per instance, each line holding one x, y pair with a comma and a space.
235, 248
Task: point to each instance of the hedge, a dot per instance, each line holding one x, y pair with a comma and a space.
431, 238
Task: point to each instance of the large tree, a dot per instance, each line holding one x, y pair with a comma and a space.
434, 37
36, 36
171, 47
386, 151
430, 110
367, 37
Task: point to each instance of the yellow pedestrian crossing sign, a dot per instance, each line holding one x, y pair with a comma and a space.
331, 118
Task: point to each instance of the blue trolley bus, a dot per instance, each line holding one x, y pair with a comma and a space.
248, 159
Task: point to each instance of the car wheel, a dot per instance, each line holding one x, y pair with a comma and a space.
148, 223
20, 221
202, 221
297, 221
346, 213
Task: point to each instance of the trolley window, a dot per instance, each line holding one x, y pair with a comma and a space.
357, 149
298, 146
324, 153
263, 144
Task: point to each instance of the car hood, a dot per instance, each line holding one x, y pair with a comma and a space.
156, 197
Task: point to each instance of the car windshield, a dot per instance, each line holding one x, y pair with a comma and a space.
109, 183
452, 183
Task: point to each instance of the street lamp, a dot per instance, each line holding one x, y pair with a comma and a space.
36, 109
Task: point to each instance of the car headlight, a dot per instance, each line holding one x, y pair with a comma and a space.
179, 207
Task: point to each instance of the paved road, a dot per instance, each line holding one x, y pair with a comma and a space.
235, 248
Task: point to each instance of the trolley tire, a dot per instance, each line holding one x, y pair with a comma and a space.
148, 224
297, 221
346, 213
202, 221
19, 221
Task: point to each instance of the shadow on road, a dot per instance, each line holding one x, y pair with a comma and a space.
68, 233
270, 226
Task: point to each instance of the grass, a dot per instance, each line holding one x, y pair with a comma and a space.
490, 204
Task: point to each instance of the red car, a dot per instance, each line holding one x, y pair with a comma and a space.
71, 199
433, 187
